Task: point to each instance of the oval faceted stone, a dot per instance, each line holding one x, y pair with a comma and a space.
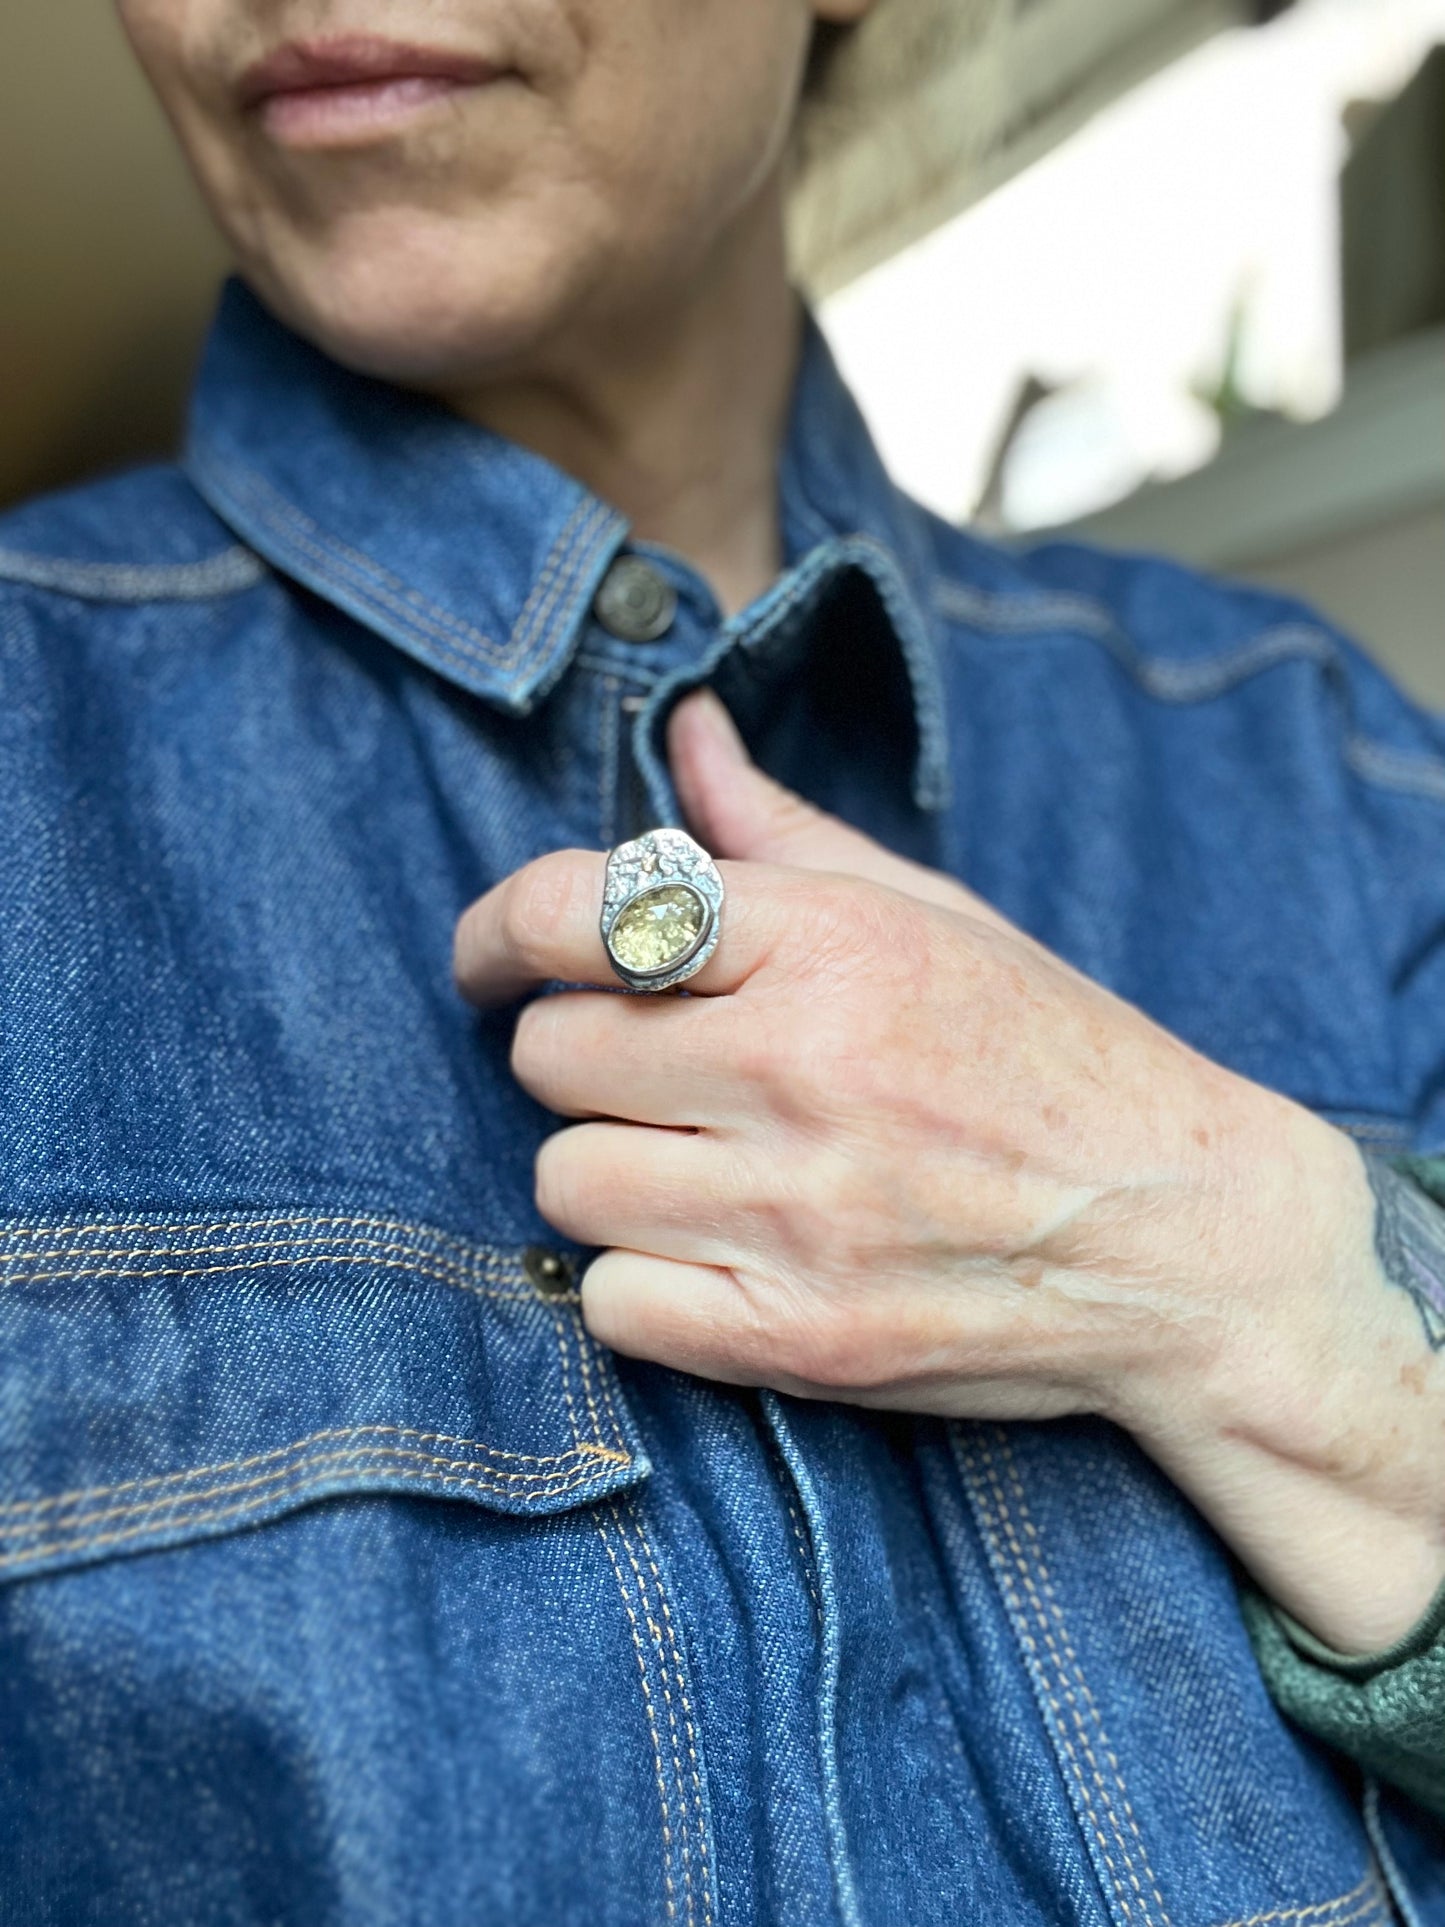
658, 927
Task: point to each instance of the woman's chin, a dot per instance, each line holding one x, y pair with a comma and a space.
427, 316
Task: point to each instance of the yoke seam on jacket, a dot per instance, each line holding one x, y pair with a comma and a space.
1412, 771
229, 572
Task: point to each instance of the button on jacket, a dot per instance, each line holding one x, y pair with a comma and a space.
343, 1577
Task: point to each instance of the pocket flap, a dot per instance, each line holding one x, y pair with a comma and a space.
165, 1378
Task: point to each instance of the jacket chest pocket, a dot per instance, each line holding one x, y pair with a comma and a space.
165, 1380
336, 1600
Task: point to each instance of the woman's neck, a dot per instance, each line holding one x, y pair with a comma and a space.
676, 416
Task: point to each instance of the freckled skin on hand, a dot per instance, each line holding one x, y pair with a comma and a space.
1414, 1376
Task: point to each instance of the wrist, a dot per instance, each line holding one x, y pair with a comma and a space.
1308, 1430
1270, 1238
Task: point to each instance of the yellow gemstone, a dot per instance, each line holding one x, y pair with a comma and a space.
657, 927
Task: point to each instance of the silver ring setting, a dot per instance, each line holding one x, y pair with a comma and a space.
661, 909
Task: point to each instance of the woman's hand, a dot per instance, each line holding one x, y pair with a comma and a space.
892, 1150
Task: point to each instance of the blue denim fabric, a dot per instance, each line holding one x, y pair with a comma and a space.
343, 1577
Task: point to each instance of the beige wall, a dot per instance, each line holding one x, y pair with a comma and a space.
107, 265
1386, 586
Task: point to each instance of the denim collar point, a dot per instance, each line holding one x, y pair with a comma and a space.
480, 558
474, 555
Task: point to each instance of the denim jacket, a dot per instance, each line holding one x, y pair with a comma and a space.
343, 1577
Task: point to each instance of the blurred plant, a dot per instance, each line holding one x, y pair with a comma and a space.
1226, 394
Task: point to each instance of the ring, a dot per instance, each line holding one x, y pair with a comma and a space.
661, 909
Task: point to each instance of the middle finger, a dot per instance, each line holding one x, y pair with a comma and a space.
650, 1060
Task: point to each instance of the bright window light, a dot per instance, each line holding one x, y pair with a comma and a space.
1199, 211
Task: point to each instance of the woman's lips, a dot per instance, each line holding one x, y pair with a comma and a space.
323, 93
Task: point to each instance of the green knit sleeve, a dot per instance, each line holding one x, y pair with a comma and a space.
1385, 1710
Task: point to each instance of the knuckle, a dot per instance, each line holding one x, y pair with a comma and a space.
804, 1340
840, 1354
762, 1053
787, 1056
807, 1211
540, 906
806, 1349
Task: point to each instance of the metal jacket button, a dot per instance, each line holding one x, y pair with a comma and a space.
635, 603
551, 1272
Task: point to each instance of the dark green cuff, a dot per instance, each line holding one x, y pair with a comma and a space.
1422, 1636
1385, 1710
1428, 1173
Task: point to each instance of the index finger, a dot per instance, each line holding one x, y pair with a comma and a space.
543, 922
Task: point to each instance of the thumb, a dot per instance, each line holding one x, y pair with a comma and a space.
737, 810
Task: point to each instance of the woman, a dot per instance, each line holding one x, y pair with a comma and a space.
788, 1452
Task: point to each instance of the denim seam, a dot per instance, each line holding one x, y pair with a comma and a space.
804, 1554
624, 666
446, 631
229, 572
414, 1264
1183, 682
1018, 1614
1396, 769
1396, 1885
267, 1221
569, 589
550, 582
689, 1722
310, 1461
588, 1354
1325, 1913
1387, 1133
76, 1495
668, 1848
341, 1248
562, 1321
570, 554
785, 1486
1072, 1658
324, 1470
829, 1660
688, 1822
870, 556
605, 1383
559, 1331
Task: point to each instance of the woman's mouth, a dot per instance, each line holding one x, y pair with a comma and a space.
331, 93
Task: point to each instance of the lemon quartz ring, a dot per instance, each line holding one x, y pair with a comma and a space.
661, 909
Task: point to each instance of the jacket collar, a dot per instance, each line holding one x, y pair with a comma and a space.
479, 558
